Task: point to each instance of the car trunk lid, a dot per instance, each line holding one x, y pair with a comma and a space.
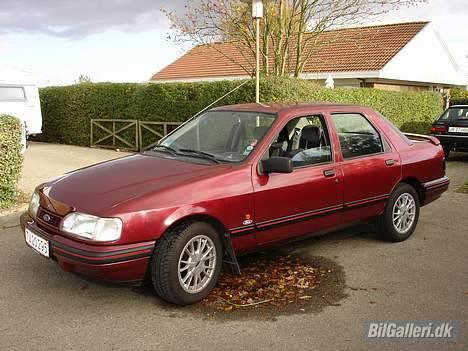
421, 137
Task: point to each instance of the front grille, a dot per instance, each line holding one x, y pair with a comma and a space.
48, 217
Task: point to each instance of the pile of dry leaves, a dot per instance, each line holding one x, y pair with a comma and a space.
265, 281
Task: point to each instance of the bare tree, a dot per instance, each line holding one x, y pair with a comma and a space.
291, 29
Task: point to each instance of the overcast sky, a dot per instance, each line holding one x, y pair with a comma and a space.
125, 40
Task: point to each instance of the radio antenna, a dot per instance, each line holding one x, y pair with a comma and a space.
207, 107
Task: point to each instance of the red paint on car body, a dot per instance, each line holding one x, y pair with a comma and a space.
151, 194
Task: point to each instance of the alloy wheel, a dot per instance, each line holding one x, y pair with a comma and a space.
404, 213
197, 264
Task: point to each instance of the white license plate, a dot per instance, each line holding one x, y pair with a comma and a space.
37, 243
458, 129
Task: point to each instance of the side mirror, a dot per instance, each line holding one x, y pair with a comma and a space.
277, 165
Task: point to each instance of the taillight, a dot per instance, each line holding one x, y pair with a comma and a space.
439, 128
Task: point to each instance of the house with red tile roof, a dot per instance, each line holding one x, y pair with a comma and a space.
401, 57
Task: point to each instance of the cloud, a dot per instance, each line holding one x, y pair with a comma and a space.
6, 46
80, 18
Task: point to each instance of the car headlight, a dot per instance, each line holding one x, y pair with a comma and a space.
92, 227
34, 204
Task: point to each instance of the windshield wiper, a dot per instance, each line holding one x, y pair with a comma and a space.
202, 154
165, 148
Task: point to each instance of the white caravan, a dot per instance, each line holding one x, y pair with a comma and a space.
19, 97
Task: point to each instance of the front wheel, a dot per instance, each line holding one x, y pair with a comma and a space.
186, 263
401, 214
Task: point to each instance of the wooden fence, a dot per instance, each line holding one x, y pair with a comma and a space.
128, 134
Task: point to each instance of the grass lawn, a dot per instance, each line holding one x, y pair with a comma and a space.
464, 188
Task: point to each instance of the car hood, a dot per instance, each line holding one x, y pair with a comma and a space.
106, 185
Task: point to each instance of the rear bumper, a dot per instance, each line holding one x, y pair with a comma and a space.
434, 189
459, 142
113, 263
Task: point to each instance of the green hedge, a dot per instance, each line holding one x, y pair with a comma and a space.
410, 111
459, 97
67, 111
10, 158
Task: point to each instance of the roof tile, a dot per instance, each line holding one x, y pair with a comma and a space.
350, 49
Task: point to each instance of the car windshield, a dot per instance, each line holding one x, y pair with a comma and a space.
456, 113
228, 136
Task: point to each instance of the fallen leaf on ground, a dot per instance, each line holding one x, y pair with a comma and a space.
265, 281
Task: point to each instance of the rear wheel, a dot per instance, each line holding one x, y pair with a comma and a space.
401, 214
186, 263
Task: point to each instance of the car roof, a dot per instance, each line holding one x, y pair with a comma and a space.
276, 107
458, 106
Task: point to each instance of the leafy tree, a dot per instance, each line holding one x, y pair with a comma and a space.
83, 78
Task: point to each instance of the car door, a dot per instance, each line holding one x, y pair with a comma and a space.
371, 168
309, 199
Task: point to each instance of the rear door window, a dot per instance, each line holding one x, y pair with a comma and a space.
12, 93
357, 135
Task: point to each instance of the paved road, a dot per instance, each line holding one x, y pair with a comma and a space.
43, 308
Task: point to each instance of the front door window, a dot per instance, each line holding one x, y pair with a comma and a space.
305, 140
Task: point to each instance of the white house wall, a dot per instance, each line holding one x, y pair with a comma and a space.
424, 59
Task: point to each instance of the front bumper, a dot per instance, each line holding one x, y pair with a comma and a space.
458, 142
113, 263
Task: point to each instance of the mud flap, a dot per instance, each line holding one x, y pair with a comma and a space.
230, 263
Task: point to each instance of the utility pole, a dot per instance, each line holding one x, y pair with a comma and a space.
257, 69
257, 14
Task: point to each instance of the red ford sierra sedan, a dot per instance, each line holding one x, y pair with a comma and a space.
232, 180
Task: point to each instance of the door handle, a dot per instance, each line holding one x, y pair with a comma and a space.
329, 173
390, 162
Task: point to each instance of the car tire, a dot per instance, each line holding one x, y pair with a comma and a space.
398, 221
173, 253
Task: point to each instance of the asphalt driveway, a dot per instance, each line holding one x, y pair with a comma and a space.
44, 161
424, 278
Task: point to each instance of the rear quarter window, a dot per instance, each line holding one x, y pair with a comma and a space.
395, 129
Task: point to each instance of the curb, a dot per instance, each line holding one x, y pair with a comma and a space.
9, 218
